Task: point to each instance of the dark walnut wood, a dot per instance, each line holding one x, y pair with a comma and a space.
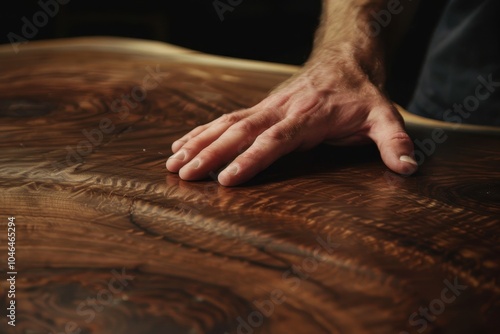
325, 241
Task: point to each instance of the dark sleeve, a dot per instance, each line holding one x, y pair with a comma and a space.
460, 79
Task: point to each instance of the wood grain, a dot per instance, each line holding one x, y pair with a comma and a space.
325, 241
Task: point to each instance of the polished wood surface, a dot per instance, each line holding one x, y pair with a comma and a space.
325, 241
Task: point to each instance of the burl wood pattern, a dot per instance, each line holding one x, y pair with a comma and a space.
325, 241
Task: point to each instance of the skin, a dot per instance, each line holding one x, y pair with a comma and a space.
337, 96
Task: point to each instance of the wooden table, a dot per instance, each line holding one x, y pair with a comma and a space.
325, 241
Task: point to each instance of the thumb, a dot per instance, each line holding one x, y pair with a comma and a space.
394, 144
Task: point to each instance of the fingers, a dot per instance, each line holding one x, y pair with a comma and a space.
394, 144
177, 145
191, 144
273, 143
224, 121
230, 142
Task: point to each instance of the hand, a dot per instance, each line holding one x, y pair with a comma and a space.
314, 106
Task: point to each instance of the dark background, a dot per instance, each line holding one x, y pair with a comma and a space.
271, 30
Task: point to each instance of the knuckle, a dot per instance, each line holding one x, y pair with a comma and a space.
244, 145
252, 158
194, 145
276, 134
230, 118
245, 126
283, 133
400, 135
189, 149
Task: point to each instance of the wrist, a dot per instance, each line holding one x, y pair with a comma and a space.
344, 39
347, 63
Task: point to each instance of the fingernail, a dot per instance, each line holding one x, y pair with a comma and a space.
178, 156
231, 170
408, 159
195, 164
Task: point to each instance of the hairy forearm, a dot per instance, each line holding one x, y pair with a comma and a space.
349, 31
